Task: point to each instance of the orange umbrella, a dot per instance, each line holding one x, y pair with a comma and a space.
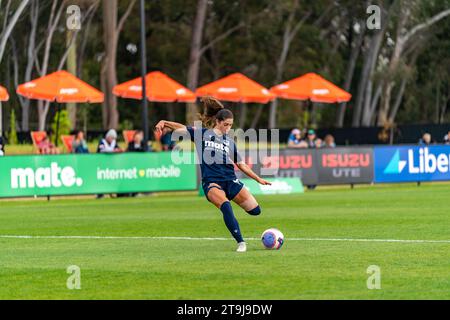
4, 96
160, 88
62, 87
236, 88
313, 87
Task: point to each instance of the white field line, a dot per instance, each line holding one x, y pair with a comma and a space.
216, 239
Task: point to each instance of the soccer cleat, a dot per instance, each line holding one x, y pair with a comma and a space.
242, 247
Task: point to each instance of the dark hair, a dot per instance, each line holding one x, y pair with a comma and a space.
212, 110
78, 132
224, 114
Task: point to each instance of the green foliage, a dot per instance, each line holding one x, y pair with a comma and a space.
64, 124
12, 136
322, 45
126, 125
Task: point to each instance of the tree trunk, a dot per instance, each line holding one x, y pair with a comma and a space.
398, 101
72, 68
55, 15
350, 72
195, 56
370, 59
437, 106
170, 112
25, 103
9, 28
289, 33
444, 107
257, 116
389, 84
85, 37
43, 107
104, 105
401, 42
109, 74
372, 103
242, 114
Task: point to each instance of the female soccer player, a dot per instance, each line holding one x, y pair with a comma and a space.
217, 152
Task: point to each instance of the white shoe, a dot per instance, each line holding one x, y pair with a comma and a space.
242, 247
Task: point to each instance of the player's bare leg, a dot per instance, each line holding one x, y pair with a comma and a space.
247, 201
216, 195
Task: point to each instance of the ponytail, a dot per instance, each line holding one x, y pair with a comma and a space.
211, 107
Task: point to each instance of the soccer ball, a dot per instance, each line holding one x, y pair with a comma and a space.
272, 239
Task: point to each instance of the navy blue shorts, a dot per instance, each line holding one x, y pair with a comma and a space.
231, 187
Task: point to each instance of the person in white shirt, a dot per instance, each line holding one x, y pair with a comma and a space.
109, 143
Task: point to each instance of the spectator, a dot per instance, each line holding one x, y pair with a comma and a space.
311, 138
318, 143
2, 148
295, 139
138, 144
446, 138
47, 147
79, 144
329, 141
426, 139
166, 140
109, 143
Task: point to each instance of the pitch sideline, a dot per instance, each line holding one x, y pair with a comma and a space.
218, 239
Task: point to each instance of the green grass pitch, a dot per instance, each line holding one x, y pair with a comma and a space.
307, 267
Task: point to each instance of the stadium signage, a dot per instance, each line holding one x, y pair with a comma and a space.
288, 161
347, 160
412, 163
320, 166
345, 165
43, 175
278, 186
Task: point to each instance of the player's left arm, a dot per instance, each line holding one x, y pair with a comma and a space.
249, 172
237, 159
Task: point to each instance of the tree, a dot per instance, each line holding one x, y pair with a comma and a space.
8, 26
403, 40
198, 49
195, 55
357, 26
291, 29
111, 33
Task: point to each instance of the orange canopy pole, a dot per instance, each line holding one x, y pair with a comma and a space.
159, 88
312, 87
236, 87
61, 87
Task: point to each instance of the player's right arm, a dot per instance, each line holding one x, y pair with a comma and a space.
169, 124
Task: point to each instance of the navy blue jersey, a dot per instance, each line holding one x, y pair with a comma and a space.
216, 154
